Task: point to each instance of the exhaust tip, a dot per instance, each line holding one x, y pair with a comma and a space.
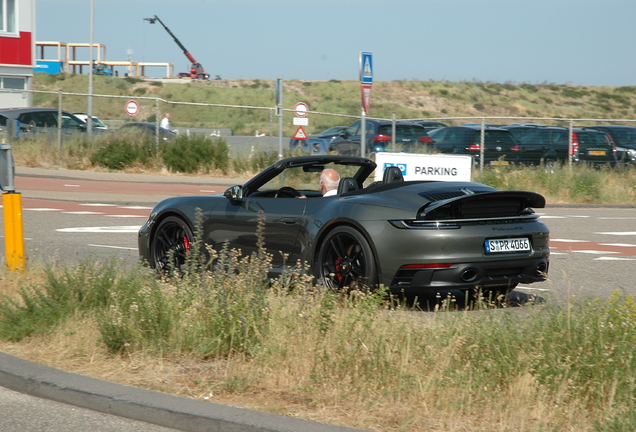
468, 275
542, 269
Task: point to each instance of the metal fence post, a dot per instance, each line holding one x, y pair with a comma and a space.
59, 120
570, 154
157, 122
482, 141
393, 132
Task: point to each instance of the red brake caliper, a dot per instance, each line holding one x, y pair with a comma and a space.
338, 268
186, 244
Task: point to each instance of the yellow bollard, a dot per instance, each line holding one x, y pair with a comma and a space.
13, 231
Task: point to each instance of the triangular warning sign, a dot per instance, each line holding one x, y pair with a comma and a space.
300, 134
366, 97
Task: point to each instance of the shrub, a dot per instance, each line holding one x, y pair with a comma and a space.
120, 153
190, 154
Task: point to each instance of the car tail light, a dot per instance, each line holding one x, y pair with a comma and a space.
382, 138
611, 141
515, 148
426, 139
473, 148
575, 144
425, 266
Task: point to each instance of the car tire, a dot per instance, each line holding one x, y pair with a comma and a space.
170, 245
346, 262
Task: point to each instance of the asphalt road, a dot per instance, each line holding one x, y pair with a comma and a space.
24, 413
71, 215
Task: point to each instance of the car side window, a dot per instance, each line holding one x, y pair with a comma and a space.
38, 119
440, 136
353, 129
559, 137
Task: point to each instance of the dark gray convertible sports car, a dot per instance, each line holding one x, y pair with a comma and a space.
415, 237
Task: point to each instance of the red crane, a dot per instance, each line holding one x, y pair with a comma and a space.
196, 70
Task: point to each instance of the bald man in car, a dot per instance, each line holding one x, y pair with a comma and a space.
329, 180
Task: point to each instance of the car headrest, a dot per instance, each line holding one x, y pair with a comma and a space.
347, 184
392, 174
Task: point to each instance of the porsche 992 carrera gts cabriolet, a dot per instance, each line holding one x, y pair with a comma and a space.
415, 237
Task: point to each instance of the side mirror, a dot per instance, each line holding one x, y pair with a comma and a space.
234, 193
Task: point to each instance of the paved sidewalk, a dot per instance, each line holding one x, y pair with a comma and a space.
126, 177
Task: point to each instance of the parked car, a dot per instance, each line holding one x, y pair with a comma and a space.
409, 137
550, 144
38, 121
3, 125
624, 138
318, 143
414, 237
149, 129
97, 123
467, 140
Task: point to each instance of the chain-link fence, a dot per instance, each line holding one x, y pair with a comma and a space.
246, 129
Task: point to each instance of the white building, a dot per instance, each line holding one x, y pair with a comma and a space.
17, 52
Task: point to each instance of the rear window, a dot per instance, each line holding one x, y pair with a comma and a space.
592, 139
497, 137
624, 136
402, 130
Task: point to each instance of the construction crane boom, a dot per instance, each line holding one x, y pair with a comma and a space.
196, 70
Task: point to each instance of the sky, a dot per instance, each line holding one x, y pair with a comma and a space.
576, 42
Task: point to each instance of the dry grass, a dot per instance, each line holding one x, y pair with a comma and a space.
390, 370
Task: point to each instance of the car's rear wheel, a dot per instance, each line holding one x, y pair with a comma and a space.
346, 262
170, 244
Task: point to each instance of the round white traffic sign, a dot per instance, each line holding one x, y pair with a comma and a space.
132, 108
301, 109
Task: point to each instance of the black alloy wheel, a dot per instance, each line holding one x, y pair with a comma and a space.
346, 262
170, 245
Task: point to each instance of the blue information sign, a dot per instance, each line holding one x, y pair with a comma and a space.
366, 68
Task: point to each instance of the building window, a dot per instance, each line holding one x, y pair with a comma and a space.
12, 83
7, 16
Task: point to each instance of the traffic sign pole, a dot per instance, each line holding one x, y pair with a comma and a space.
366, 81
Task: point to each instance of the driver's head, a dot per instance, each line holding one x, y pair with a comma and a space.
329, 179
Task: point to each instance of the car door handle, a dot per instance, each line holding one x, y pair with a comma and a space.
290, 220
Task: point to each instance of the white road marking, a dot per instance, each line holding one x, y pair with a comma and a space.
568, 240
42, 209
99, 205
629, 233
596, 252
111, 229
577, 216
70, 185
618, 218
532, 289
113, 247
611, 258
83, 213
618, 244
137, 208
552, 217
128, 216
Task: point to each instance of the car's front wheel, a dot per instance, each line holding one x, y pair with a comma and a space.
345, 261
170, 244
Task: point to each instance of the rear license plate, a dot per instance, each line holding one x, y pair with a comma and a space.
507, 245
499, 163
596, 152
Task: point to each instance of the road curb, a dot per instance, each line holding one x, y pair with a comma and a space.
145, 405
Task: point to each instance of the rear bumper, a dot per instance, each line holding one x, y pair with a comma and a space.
471, 275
